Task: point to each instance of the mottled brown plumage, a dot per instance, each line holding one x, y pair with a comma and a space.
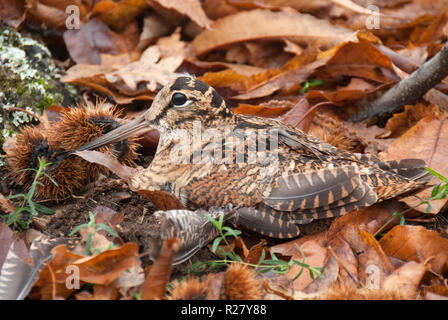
304, 179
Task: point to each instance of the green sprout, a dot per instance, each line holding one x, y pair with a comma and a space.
28, 208
439, 191
96, 227
264, 265
310, 83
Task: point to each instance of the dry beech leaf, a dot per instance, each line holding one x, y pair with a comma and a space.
86, 44
289, 248
261, 110
405, 280
6, 205
51, 13
265, 24
315, 256
354, 7
111, 163
190, 8
358, 58
129, 81
416, 243
153, 28
427, 141
119, 14
43, 288
12, 12
401, 122
158, 277
106, 266
368, 253
369, 219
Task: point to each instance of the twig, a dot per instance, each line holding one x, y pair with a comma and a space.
341, 264
16, 109
410, 89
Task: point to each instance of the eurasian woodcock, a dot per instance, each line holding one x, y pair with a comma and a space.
275, 176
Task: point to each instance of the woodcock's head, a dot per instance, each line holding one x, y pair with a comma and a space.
176, 106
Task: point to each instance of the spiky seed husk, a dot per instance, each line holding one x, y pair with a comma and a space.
240, 284
77, 126
31, 144
190, 289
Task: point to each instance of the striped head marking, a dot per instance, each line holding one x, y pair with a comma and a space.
183, 101
177, 106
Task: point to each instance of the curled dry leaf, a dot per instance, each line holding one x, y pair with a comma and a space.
109, 162
190, 8
368, 252
10, 241
261, 110
369, 219
401, 122
5, 205
265, 24
118, 15
12, 12
427, 141
52, 13
105, 267
416, 243
86, 44
405, 280
127, 81
158, 277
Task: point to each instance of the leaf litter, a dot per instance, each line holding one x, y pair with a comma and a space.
312, 68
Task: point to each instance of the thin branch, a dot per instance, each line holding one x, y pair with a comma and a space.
410, 89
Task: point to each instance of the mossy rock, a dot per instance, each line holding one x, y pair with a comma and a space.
29, 80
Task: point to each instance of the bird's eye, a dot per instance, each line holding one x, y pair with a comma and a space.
179, 100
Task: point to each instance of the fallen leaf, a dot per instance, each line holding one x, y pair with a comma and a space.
118, 15
5, 205
314, 255
12, 12
127, 82
369, 219
252, 25
109, 162
158, 277
368, 252
405, 280
426, 141
416, 243
401, 122
86, 44
52, 13
153, 28
261, 110
106, 266
190, 8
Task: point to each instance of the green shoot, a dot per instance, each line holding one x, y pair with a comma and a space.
310, 83
262, 266
439, 191
28, 208
96, 227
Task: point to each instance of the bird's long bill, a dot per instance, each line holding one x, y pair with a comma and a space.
130, 129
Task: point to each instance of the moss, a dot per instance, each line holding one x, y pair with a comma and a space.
29, 80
